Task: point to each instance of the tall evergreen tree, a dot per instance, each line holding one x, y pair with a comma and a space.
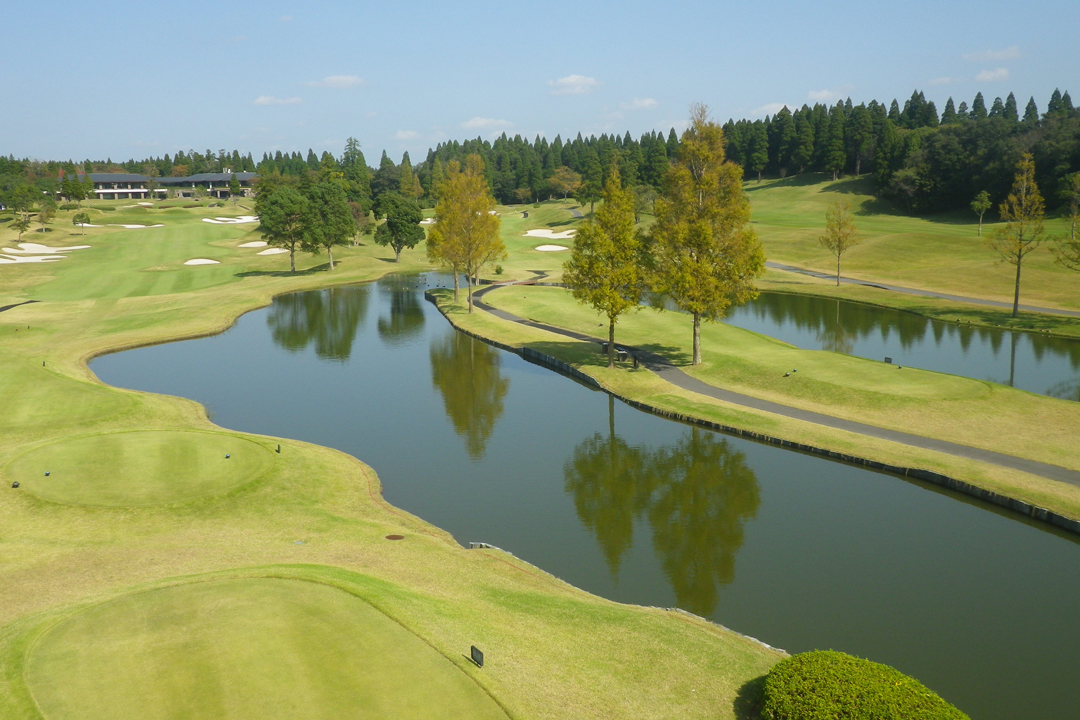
978, 107
1031, 114
948, 115
1011, 114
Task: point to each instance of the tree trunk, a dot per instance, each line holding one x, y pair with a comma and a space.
292, 259
858, 164
397, 255
330, 252
611, 343
759, 177
837, 271
455, 285
1016, 293
467, 280
697, 339
980, 224
1012, 360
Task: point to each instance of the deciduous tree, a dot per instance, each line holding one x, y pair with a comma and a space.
606, 268
465, 236
840, 233
402, 227
1067, 251
565, 181
1022, 211
46, 212
281, 217
327, 219
704, 253
81, 219
980, 205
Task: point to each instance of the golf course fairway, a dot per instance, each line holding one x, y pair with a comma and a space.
254, 647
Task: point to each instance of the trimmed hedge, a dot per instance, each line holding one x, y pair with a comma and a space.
830, 685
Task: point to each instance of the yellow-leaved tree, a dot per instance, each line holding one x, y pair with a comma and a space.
606, 269
1023, 213
705, 255
465, 236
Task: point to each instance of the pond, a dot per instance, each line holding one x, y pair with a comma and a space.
796, 550
1034, 362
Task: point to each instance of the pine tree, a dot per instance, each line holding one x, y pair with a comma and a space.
1031, 114
948, 116
997, 109
962, 112
758, 151
835, 158
978, 107
1011, 115
1054, 107
803, 151
894, 111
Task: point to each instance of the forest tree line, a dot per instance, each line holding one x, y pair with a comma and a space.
923, 160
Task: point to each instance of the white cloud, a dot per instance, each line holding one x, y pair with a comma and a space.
338, 82
286, 18
484, 123
944, 81
769, 109
992, 75
573, 85
405, 134
271, 100
638, 104
828, 96
1009, 53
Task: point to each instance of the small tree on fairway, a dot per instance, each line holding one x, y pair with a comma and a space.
465, 236
980, 205
840, 233
327, 219
282, 219
402, 227
705, 256
1023, 211
47, 212
1067, 251
234, 188
81, 219
566, 181
605, 269
21, 223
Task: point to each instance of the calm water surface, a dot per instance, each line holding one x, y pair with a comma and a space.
801, 552
1028, 361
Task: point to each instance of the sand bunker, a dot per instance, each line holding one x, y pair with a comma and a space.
427, 221
202, 261
87, 225
36, 249
551, 248
273, 251
135, 227
550, 234
254, 243
8, 259
232, 221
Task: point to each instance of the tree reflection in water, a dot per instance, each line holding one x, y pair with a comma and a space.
467, 374
696, 495
406, 319
327, 319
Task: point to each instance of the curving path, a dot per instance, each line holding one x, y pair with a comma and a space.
921, 293
680, 379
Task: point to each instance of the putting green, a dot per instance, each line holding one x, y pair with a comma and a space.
249, 648
139, 468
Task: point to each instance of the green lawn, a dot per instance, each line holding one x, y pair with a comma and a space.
251, 647
84, 571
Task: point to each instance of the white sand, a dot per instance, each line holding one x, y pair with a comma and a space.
202, 261
145, 204
551, 248
254, 243
550, 234
273, 251
8, 260
87, 225
427, 221
135, 227
493, 212
36, 249
232, 221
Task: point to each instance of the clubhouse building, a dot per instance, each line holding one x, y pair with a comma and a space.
129, 186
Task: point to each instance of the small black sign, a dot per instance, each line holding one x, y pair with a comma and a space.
888, 360
477, 656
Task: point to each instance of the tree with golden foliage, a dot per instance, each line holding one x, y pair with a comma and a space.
465, 236
1023, 212
605, 269
705, 256
1067, 251
840, 233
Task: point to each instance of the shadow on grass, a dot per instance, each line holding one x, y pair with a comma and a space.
560, 223
324, 267
586, 353
748, 699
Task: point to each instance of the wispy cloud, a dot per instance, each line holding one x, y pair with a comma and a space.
993, 75
338, 82
638, 104
405, 134
944, 81
483, 123
1009, 53
573, 85
769, 109
829, 95
286, 18
271, 100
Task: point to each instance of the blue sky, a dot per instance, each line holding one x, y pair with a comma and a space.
127, 80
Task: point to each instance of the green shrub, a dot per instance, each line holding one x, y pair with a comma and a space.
69, 206
829, 685
498, 269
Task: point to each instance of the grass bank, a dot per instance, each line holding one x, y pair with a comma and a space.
308, 513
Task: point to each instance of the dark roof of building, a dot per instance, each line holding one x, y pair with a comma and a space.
201, 177
220, 177
117, 177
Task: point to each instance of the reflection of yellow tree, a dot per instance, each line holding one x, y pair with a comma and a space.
705, 491
406, 319
608, 480
466, 373
328, 319
835, 338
